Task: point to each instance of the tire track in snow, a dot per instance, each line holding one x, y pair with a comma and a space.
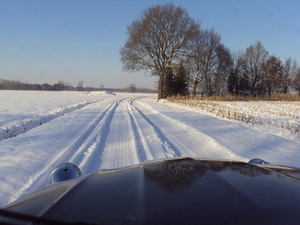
39, 179
121, 148
88, 156
149, 138
143, 151
184, 139
133, 139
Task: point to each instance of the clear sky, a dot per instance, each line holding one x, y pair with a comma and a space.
44, 41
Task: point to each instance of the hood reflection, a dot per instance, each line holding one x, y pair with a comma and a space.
176, 175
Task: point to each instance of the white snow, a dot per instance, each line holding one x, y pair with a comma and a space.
21, 111
104, 131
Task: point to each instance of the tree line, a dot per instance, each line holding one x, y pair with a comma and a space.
66, 86
169, 43
259, 73
18, 85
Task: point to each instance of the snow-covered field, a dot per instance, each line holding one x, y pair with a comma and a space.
276, 117
41, 130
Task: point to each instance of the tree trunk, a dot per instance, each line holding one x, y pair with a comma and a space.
160, 87
194, 88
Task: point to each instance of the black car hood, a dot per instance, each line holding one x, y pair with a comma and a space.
175, 191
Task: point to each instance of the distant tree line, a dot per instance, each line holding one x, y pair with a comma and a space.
66, 86
190, 60
18, 85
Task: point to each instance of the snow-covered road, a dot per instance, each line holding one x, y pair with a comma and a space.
126, 130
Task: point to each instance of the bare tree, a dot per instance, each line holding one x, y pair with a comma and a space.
60, 86
132, 88
236, 82
80, 86
290, 69
68, 86
203, 57
273, 72
296, 81
222, 70
161, 36
254, 57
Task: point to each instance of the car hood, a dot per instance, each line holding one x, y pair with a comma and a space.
174, 191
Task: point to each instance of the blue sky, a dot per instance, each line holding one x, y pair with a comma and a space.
71, 40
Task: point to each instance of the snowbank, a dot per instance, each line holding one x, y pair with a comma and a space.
21, 126
95, 93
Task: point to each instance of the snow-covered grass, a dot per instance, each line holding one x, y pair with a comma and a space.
280, 117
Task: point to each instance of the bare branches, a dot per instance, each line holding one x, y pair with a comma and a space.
165, 36
160, 37
253, 59
203, 56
